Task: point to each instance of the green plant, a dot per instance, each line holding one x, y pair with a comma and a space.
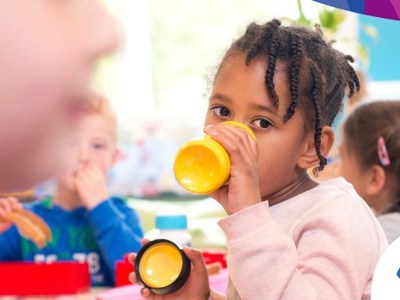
331, 20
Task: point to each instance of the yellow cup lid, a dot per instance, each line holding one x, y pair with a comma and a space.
162, 266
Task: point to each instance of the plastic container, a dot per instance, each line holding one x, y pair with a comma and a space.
122, 270
162, 266
173, 227
202, 165
38, 279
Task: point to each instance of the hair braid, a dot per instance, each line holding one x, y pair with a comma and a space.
269, 75
257, 45
353, 78
294, 72
316, 93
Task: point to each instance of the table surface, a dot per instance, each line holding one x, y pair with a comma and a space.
90, 295
130, 292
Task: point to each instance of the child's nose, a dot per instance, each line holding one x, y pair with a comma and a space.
83, 155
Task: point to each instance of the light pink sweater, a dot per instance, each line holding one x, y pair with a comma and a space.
322, 244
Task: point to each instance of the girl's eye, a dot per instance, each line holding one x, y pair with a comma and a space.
222, 111
262, 123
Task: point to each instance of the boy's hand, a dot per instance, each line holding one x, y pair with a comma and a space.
91, 186
197, 286
7, 205
243, 189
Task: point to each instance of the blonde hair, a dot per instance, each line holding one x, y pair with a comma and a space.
95, 104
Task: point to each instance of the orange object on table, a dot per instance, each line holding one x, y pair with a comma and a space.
32, 279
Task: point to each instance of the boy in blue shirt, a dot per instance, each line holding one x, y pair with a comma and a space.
87, 224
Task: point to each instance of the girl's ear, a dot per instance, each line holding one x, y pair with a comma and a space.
376, 179
309, 158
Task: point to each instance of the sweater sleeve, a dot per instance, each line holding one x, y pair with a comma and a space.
10, 248
117, 230
333, 256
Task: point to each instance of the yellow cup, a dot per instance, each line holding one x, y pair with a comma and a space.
202, 165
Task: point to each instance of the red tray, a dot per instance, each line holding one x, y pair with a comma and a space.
122, 270
212, 256
31, 279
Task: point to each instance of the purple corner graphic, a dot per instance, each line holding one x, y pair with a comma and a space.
388, 9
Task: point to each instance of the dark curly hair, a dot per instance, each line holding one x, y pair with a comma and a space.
319, 75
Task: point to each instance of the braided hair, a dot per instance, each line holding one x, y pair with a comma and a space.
319, 76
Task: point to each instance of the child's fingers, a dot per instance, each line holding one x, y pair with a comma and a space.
144, 241
3, 212
83, 174
249, 142
15, 204
91, 173
194, 255
82, 179
238, 135
131, 258
227, 139
6, 205
132, 277
197, 260
92, 169
146, 293
217, 194
235, 141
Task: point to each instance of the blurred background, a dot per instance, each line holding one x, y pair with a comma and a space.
159, 83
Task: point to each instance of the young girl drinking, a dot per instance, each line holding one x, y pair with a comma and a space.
370, 160
288, 237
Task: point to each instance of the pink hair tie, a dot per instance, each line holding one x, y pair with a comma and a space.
383, 155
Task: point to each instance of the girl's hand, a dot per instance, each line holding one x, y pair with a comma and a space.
90, 184
243, 189
7, 205
196, 287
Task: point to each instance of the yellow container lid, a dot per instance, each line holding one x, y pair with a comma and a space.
162, 266
202, 165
